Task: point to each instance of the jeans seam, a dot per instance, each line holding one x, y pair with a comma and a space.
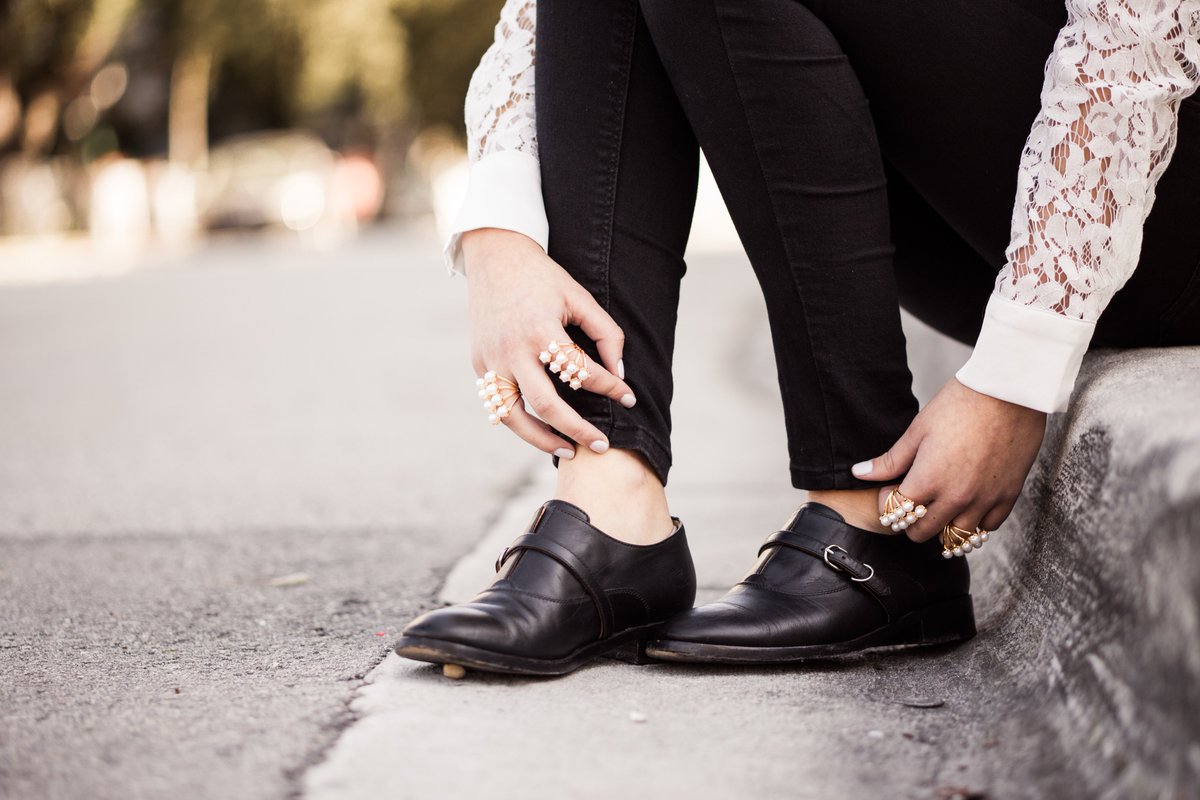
783, 239
609, 189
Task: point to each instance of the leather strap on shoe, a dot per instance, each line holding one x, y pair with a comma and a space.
838, 559
579, 571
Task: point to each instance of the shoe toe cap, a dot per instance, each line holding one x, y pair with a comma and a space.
465, 624
721, 622
751, 617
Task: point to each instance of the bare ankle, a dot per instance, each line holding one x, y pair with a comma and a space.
859, 507
619, 491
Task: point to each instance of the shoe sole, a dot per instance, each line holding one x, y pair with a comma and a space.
948, 621
628, 646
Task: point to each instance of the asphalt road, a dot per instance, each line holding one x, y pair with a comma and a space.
175, 440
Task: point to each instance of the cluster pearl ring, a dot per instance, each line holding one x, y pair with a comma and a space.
498, 394
899, 512
568, 361
958, 541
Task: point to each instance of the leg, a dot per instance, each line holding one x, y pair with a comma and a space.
619, 170
781, 117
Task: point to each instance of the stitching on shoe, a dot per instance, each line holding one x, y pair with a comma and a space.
563, 601
776, 590
569, 511
634, 592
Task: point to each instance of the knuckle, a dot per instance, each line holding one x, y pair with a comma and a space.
540, 403
955, 499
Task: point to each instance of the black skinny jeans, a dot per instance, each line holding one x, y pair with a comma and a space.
847, 210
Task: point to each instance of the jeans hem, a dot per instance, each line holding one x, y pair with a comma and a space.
642, 440
837, 478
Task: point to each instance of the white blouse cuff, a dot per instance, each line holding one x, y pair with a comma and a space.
1027, 355
504, 190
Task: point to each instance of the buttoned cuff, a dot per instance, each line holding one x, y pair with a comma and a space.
1027, 355
504, 190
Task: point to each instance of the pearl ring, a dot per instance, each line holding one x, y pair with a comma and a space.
498, 394
958, 541
568, 361
899, 512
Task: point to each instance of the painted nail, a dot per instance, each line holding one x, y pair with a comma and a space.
565, 452
621, 368
861, 468
628, 401
599, 446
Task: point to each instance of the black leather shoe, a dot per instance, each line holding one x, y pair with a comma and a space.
825, 588
564, 594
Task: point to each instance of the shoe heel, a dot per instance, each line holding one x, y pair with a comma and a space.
632, 651
948, 621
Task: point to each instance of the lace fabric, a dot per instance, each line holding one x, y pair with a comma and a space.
1104, 136
1106, 131
499, 108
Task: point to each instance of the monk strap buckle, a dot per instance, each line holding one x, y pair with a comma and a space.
840, 568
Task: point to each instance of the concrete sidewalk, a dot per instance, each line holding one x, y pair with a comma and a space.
877, 726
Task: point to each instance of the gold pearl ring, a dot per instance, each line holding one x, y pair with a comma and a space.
498, 394
899, 512
958, 541
568, 361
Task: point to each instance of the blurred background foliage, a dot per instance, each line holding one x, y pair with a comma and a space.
85, 82
353, 71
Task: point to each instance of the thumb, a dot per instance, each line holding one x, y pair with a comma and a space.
892, 464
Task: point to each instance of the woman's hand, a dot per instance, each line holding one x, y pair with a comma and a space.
966, 454
520, 300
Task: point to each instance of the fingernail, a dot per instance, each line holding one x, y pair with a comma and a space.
599, 446
565, 452
621, 368
628, 401
861, 468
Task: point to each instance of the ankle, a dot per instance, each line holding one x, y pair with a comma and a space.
859, 507
620, 493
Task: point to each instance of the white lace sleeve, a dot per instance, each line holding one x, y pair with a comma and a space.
499, 107
1105, 134
504, 188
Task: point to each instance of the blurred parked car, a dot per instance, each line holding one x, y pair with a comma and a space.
287, 178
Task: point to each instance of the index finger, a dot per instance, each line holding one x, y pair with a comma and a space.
591, 375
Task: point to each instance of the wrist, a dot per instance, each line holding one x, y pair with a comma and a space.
489, 240
998, 402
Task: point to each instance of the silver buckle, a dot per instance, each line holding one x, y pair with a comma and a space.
837, 568
500, 558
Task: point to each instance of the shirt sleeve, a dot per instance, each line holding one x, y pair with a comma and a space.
1104, 136
504, 184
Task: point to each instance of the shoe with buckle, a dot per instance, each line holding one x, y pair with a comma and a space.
823, 588
565, 593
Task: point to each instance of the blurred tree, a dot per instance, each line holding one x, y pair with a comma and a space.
49, 51
446, 40
234, 65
